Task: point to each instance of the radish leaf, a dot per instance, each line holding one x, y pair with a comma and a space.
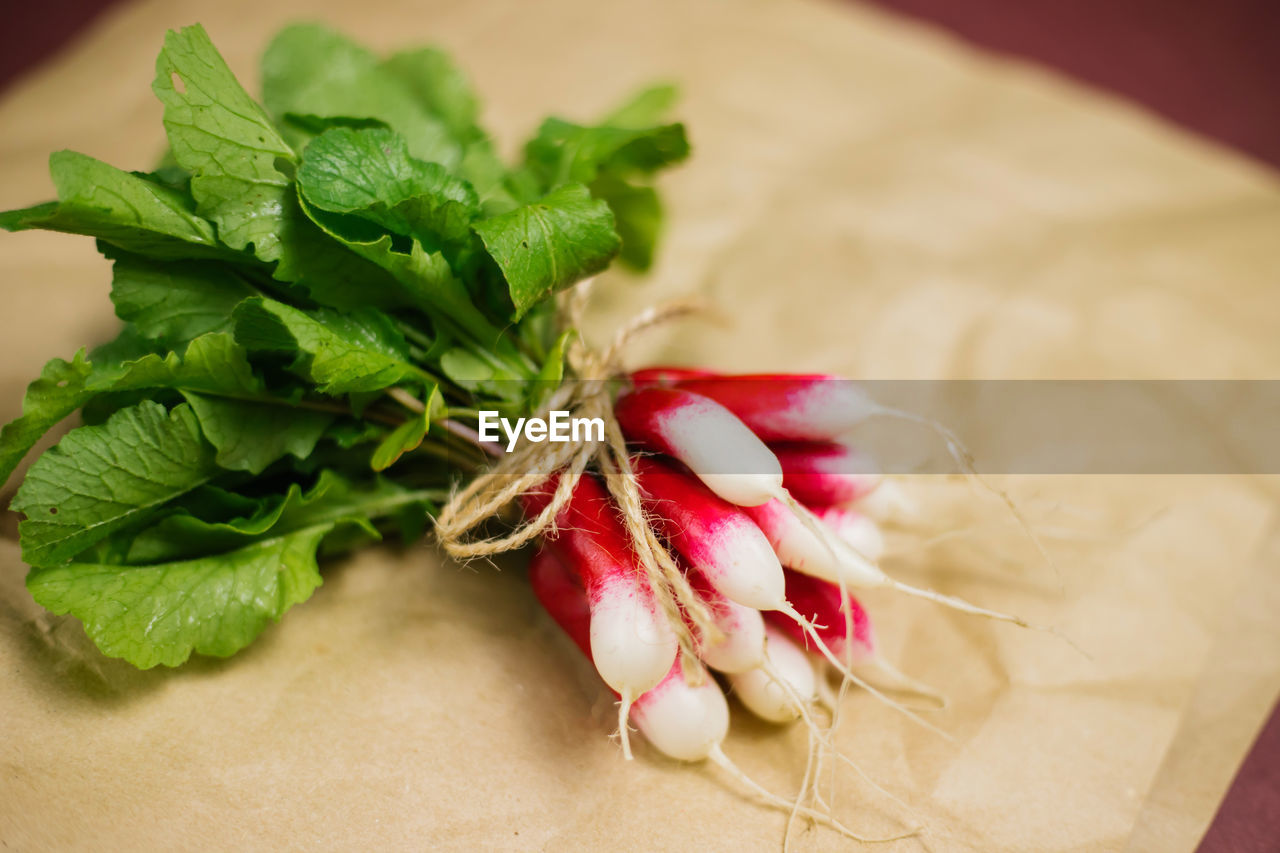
119, 208
548, 245
177, 301
100, 478
160, 614
249, 435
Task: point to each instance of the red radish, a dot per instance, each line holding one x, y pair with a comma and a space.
667, 376
684, 722
740, 645
889, 504
789, 407
803, 543
560, 593
711, 534
710, 441
819, 602
770, 692
782, 407
853, 527
825, 473
632, 645
848, 633
706, 437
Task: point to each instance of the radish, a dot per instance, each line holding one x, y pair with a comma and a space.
779, 689
740, 645
796, 407
853, 527
826, 473
847, 632
771, 692
706, 437
685, 722
667, 376
789, 407
732, 557
632, 645
711, 534
846, 629
803, 543
889, 504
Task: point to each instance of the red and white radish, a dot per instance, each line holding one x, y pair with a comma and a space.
771, 692
860, 532
717, 447
683, 721
632, 644
740, 644
712, 535
789, 407
803, 543
846, 629
826, 473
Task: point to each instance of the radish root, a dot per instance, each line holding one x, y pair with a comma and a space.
624, 730
722, 761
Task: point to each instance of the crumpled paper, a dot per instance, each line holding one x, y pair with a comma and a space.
867, 197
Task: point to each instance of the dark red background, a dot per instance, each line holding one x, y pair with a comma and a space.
1210, 65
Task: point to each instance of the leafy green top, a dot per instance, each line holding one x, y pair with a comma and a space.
314, 290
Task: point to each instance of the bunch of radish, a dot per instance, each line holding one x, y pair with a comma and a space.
745, 481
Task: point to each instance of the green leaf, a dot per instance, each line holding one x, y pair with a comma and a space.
212, 363
369, 173
332, 500
550, 244
250, 436
119, 208
160, 614
425, 278
409, 434
226, 141
311, 70
564, 152
340, 352
645, 108
56, 394
444, 91
99, 479
638, 213
440, 87
176, 302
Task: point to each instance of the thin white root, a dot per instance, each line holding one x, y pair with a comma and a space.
826, 696
899, 680
826, 652
624, 731
958, 604
837, 548
819, 738
722, 761
815, 747
964, 459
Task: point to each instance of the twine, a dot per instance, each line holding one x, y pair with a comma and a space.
532, 464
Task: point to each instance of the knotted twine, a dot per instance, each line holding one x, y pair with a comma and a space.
587, 395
